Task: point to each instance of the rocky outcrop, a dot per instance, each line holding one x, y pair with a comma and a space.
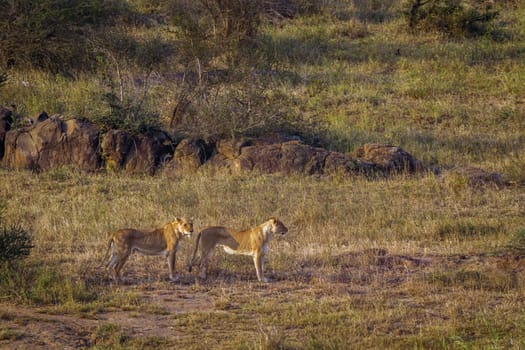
285, 156
189, 155
135, 154
51, 143
388, 158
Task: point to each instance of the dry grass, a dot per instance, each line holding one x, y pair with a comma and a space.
406, 262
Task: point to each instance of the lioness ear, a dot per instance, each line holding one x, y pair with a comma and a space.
177, 220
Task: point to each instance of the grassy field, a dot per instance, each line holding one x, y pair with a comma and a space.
422, 262
398, 263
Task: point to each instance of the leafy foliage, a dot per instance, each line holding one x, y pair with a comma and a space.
129, 115
15, 243
454, 18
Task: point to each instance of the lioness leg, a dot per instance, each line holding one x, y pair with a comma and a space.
171, 266
112, 261
258, 260
203, 266
122, 260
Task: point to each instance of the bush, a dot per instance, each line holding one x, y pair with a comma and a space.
453, 18
245, 108
15, 243
52, 34
128, 114
374, 10
215, 28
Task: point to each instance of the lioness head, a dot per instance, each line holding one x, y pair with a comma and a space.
277, 227
183, 225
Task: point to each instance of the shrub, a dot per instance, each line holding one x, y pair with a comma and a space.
15, 243
52, 34
245, 108
215, 28
374, 10
128, 114
453, 18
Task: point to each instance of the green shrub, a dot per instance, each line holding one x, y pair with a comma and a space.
453, 18
128, 114
15, 243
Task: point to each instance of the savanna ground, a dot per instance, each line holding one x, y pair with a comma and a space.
402, 263
425, 262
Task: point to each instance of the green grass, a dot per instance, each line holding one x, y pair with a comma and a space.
447, 102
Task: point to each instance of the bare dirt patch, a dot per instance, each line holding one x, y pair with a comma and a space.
229, 302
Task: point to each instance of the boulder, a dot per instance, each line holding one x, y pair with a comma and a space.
135, 154
6, 120
388, 158
189, 155
51, 143
341, 163
288, 157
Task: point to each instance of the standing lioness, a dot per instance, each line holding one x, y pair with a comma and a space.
161, 241
253, 241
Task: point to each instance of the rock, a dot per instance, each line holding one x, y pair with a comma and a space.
292, 156
135, 154
289, 157
6, 120
388, 158
51, 143
189, 155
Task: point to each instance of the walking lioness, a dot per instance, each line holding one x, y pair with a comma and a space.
161, 241
253, 241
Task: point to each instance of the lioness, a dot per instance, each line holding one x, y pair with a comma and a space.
253, 241
161, 241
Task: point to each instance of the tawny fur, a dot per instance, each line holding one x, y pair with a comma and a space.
253, 242
162, 241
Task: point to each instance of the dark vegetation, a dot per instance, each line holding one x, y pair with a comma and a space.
224, 71
15, 242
